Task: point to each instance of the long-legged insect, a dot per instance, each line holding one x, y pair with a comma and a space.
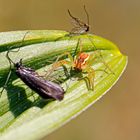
82, 28
46, 89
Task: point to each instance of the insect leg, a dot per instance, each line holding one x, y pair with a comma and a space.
101, 56
91, 76
10, 63
5, 84
86, 14
77, 45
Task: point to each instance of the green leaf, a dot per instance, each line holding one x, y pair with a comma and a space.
26, 116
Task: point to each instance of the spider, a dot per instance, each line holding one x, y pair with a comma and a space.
80, 64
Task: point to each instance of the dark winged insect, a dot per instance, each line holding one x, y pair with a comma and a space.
45, 88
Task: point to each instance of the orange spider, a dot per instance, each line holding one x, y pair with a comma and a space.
79, 64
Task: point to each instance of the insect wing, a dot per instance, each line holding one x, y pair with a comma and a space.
77, 22
78, 30
52, 90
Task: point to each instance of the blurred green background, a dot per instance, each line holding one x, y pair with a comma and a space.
116, 116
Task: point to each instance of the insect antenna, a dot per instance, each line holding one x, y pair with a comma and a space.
71, 15
75, 21
86, 14
9, 59
9, 73
11, 62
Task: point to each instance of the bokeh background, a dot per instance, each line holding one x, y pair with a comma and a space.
117, 115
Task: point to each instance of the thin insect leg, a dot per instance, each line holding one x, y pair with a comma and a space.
20, 44
77, 45
60, 82
101, 56
5, 84
90, 60
80, 48
80, 44
65, 73
22, 41
9, 73
103, 70
76, 19
91, 76
9, 59
86, 14
58, 63
67, 54
68, 77
53, 78
86, 79
10, 63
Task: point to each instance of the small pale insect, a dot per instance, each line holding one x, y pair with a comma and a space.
80, 27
